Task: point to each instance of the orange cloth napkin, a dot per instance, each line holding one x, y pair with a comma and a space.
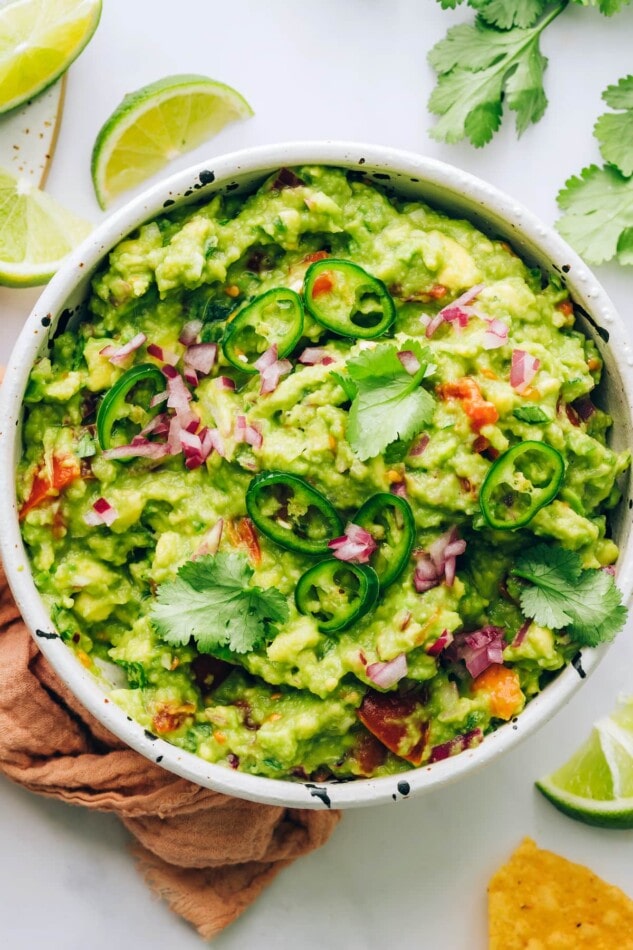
207, 854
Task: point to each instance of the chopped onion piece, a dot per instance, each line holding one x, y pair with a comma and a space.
457, 744
139, 449
523, 370
178, 394
419, 446
388, 674
190, 331
225, 382
409, 360
480, 649
211, 541
355, 545
158, 398
444, 640
456, 312
496, 334
316, 354
160, 353
247, 433
201, 357
102, 513
521, 633
118, 355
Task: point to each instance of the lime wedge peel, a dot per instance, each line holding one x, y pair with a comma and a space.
39, 39
36, 233
157, 123
595, 785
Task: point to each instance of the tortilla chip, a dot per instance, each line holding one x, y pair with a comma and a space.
540, 901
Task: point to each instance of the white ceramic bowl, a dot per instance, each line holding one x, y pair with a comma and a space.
453, 191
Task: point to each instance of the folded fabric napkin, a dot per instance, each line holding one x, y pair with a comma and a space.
207, 854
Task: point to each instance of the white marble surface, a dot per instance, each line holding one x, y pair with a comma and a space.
414, 874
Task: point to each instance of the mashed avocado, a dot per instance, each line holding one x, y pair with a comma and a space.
135, 489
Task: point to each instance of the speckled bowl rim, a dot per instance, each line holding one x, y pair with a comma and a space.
461, 193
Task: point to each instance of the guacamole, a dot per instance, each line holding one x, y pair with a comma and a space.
289, 474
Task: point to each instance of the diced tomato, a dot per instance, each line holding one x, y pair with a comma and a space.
479, 410
169, 718
368, 754
566, 307
244, 534
437, 291
315, 256
48, 484
503, 688
399, 722
322, 285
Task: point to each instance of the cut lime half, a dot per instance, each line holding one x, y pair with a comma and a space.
39, 39
595, 785
36, 233
155, 125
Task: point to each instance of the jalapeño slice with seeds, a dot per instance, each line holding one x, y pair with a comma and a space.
521, 482
337, 593
344, 298
389, 520
115, 409
292, 513
275, 318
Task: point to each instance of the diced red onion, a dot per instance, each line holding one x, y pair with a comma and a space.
158, 398
520, 634
225, 382
190, 375
271, 369
420, 445
444, 640
355, 545
118, 355
480, 649
439, 561
160, 353
169, 371
316, 354
388, 674
496, 334
159, 425
609, 569
266, 359
426, 575
584, 407
102, 513
178, 394
523, 370
456, 312
400, 489
247, 433
211, 541
409, 360
190, 331
151, 450
455, 745
201, 357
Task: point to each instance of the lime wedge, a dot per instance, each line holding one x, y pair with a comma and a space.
595, 785
39, 39
157, 123
36, 233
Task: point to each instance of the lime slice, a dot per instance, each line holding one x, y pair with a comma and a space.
596, 784
36, 233
39, 39
156, 124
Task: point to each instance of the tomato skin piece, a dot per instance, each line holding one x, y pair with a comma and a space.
323, 284
399, 722
64, 470
502, 686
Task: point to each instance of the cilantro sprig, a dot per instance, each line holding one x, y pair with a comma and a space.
560, 593
388, 402
211, 599
495, 60
598, 203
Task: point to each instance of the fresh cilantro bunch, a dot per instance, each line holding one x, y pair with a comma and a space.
598, 204
211, 599
494, 61
559, 594
388, 403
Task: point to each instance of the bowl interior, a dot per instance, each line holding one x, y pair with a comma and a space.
446, 188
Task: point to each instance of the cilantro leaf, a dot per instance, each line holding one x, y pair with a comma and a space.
477, 67
564, 595
598, 219
390, 403
608, 7
505, 14
531, 414
212, 601
614, 130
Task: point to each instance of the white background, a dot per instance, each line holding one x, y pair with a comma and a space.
413, 874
